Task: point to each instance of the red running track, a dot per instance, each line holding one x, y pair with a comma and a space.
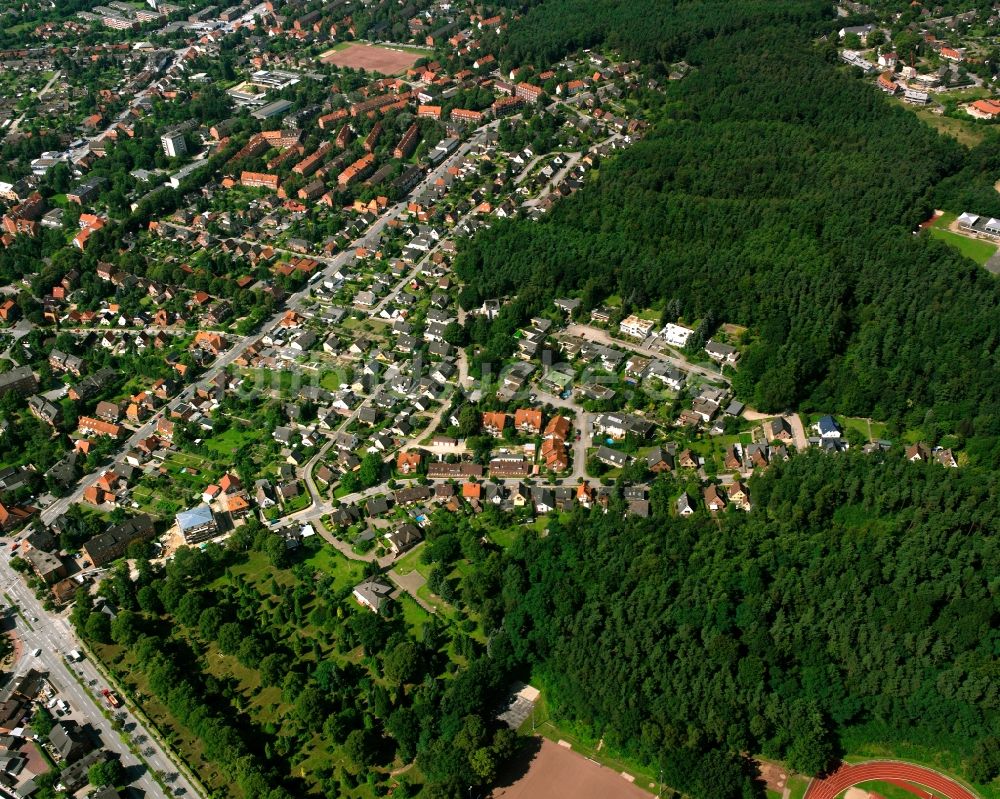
848, 776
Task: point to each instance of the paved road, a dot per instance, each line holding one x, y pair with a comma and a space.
54, 636
411, 583
583, 424
798, 431
601, 336
887, 771
20, 329
44, 90
432, 176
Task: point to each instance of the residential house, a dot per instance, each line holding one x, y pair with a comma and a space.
114, 542
659, 460
722, 353
827, 428
493, 423
778, 430
372, 594
684, 505
408, 462
739, 495
636, 327
528, 420
618, 425
403, 538
197, 524
715, 498
611, 457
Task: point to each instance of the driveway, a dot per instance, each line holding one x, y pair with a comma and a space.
798, 431
411, 583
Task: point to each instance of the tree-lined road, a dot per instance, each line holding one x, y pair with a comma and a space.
54, 636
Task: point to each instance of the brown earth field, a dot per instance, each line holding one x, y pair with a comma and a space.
372, 58
545, 770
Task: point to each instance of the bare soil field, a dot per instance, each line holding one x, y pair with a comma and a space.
371, 58
550, 771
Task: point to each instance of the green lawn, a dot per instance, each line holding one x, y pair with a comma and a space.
415, 616
330, 381
976, 249
504, 538
411, 561
295, 504
346, 573
862, 426
889, 791
797, 787
234, 439
966, 132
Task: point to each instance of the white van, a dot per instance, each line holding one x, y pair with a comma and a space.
36, 652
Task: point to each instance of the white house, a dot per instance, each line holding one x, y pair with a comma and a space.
676, 335
635, 327
827, 427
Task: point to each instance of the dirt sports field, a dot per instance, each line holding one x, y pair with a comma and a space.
552, 772
372, 59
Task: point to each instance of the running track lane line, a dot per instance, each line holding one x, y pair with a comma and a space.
848, 776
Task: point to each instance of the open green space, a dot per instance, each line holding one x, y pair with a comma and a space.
797, 786
976, 249
889, 791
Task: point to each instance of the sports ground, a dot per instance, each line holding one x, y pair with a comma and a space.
555, 772
372, 58
915, 779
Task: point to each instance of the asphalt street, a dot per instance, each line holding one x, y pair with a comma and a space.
54, 636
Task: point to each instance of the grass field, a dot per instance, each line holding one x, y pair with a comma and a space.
234, 439
870, 430
797, 787
978, 250
967, 133
415, 616
889, 791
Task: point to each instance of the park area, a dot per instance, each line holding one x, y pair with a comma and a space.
372, 58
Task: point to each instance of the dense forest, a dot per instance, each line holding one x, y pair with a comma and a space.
779, 192
655, 31
857, 597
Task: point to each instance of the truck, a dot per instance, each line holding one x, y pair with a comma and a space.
112, 700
